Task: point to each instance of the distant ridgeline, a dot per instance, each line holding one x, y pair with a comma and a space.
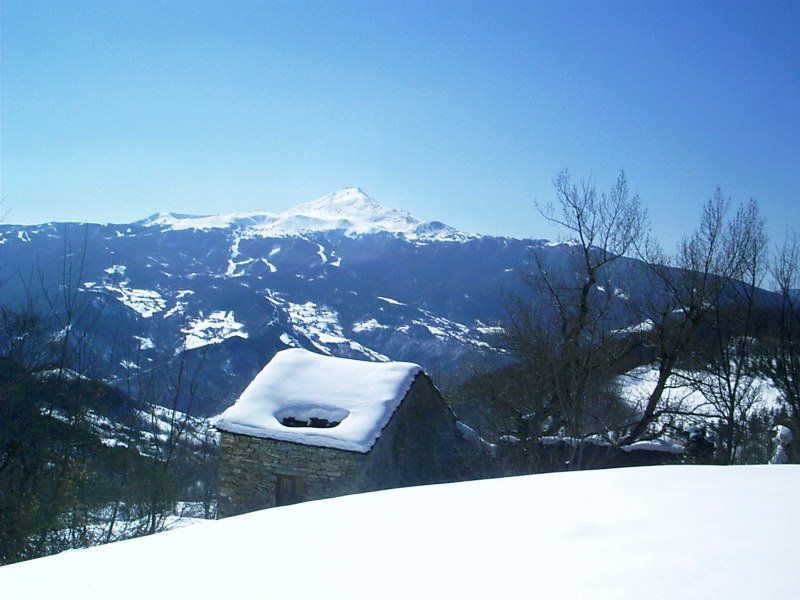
340, 276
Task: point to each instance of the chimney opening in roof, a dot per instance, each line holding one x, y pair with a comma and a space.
318, 417
312, 422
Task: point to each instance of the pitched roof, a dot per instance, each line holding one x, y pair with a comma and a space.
318, 400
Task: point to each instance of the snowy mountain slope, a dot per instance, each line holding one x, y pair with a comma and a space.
340, 275
623, 534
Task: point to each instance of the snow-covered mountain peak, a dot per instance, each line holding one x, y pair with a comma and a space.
351, 204
349, 210
346, 199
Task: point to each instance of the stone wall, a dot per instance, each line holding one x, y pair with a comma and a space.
418, 446
250, 467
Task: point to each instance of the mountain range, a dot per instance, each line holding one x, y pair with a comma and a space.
341, 275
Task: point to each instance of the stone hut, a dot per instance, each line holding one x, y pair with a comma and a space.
312, 426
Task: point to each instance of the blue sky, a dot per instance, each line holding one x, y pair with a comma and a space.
456, 111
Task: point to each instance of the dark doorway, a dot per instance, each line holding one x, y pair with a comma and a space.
289, 489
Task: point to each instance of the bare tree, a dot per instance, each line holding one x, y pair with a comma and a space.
565, 344
727, 373
688, 286
781, 360
181, 461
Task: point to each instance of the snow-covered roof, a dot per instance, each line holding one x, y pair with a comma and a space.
318, 400
655, 446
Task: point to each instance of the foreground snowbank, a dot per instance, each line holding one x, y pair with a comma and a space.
655, 532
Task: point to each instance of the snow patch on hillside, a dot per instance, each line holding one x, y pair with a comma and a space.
144, 302
231, 271
321, 253
645, 326
321, 326
369, 325
217, 327
445, 328
180, 306
289, 340
116, 270
144, 343
490, 330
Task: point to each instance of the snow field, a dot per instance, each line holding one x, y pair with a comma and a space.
654, 532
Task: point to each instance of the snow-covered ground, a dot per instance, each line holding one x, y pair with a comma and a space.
655, 532
682, 389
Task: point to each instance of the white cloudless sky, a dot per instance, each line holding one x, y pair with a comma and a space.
455, 111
